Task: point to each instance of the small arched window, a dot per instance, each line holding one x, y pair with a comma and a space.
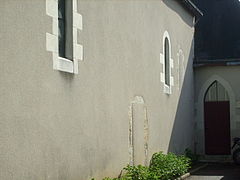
167, 61
167, 64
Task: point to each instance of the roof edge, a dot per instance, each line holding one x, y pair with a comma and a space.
188, 4
217, 62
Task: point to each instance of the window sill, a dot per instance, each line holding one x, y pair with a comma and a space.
64, 65
167, 89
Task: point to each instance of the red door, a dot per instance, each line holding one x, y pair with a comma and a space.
217, 128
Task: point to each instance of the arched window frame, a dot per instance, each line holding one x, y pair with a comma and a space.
167, 85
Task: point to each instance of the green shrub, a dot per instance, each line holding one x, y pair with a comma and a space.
162, 167
194, 157
139, 173
169, 166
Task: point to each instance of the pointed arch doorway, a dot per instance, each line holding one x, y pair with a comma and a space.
217, 120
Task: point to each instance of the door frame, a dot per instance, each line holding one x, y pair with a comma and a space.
199, 110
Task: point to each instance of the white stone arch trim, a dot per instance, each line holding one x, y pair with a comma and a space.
138, 100
166, 89
59, 63
200, 107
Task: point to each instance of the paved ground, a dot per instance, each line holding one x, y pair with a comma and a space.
217, 171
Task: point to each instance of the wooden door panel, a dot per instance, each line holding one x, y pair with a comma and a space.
217, 128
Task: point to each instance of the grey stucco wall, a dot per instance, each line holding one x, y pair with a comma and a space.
56, 125
228, 77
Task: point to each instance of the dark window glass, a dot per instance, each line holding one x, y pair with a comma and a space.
61, 28
167, 62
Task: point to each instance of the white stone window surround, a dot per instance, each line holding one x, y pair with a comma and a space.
59, 63
166, 88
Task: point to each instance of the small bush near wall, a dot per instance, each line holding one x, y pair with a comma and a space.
192, 156
162, 167
169, 166
139, 173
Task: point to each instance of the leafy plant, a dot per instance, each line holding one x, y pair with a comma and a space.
140, 173
162, 167
194, 157
169, 166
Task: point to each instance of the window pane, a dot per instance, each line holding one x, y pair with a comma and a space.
61, 28
167, 62
68, 29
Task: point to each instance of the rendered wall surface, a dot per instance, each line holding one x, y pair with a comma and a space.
226, 76
62, 126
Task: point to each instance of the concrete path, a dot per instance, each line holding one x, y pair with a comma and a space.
217, 171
